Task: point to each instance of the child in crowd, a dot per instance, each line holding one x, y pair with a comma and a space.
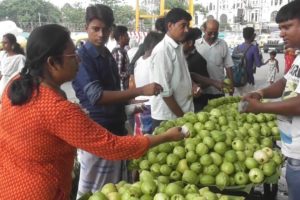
273, 67
143, 120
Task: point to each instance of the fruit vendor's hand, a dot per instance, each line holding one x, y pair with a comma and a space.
258, 95
219, 85
175, 134
172, 134
152, 89
253, 105
227, 86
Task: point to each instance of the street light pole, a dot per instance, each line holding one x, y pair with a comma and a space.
261, 18
137, 16
39, 18
218, 10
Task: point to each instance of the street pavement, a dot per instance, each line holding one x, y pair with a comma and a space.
262, 72
261, 82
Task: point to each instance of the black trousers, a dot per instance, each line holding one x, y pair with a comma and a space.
155, 123
201, 102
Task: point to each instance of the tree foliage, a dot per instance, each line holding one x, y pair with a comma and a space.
200, 8
73, 14
29, 11
42, 11
169, 4
110, 3
124, 14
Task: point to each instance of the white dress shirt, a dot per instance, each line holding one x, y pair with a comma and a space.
169, 69
217, 57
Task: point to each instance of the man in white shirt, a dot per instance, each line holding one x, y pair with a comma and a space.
169, 69
217, 55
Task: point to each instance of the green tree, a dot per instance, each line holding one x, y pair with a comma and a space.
200, 8
29, 11
124, 14
169, 4
110, 3
73, 14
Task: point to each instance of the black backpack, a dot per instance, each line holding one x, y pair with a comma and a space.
240, 78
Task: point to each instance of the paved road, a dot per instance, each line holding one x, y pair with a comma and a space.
262, 72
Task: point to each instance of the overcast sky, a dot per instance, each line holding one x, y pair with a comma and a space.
60, 3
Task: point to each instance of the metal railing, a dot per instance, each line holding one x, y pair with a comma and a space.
73, 27
29, 26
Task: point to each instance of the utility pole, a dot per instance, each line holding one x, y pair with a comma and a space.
261, 18
39, 18
218, 10
192, 11
137, 16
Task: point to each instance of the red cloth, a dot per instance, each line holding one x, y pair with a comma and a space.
38, 142
289, 58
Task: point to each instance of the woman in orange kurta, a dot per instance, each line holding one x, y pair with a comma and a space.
40, 130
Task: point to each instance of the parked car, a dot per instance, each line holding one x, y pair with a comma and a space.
234, 40
79, 38
262, 39
274, 43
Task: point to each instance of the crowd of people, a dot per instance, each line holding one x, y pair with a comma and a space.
174, 71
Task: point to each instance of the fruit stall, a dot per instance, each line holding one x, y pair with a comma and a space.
227, 154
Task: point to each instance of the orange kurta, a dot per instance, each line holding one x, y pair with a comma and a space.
38, 142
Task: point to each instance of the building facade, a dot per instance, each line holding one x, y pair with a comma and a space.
239, 13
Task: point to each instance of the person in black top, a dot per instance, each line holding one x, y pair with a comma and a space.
198, 67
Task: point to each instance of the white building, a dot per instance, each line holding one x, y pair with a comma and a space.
257, 13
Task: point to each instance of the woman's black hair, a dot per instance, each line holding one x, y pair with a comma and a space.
160, 24
192, 35
197, 32
288, 12
100, 12
273, 53
15, 46
43, 42
152, 39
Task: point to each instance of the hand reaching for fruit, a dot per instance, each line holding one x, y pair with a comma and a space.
172, 134
219, 85
196, 90
252, 105
228, 86
258, 95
